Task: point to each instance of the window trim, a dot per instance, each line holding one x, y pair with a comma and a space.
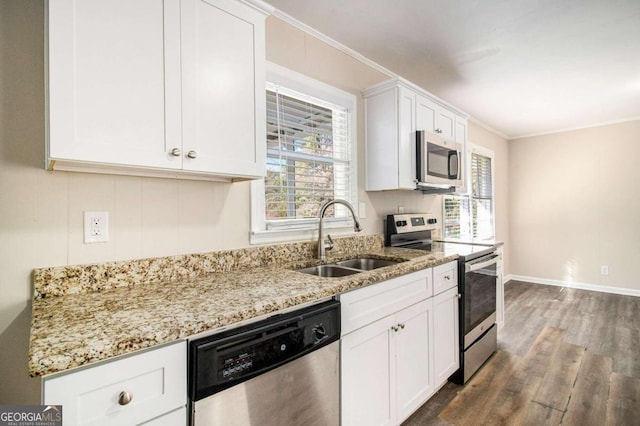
486, 152
304, 229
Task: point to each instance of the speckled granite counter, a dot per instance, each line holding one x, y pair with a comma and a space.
86, 313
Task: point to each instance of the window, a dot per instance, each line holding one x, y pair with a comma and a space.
470, 216
310, 158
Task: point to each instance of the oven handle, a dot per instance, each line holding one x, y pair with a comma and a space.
470, 267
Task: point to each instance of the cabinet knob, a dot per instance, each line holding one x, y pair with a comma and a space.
459, 296
394, 328
438, 130
401, 326
447, 277
192, 154
124, 398
176, 152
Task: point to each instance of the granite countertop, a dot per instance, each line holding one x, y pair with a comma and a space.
110, 314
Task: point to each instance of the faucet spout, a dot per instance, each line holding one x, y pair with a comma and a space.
323, 208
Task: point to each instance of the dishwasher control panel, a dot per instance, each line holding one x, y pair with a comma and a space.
220, 361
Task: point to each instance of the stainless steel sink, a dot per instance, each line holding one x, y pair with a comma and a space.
347, 267
367, 264
329, 271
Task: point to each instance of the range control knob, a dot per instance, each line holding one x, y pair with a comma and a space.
432, 220
319, 332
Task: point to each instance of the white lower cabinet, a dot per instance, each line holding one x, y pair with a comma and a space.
395, 362
368, 375
413, 341
149, 388
446, 357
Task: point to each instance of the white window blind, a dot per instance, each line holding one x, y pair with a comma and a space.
308, 157
471, 216
456, 217
481, 197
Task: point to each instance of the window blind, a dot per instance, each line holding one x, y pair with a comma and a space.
471, 216
482, 197
456, 216
308, 156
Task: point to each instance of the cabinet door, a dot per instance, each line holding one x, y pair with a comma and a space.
446, 123
407, 140
433, 118
223, 88
426, 114
107, 65
461, 131
414, 377
446, 341
367, 376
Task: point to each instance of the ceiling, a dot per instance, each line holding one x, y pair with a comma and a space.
521, 67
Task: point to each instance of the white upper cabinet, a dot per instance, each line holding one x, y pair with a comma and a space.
394, 111
223, 87
156, 88
434, 118
107, 82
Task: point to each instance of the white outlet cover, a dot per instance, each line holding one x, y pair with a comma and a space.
96, 227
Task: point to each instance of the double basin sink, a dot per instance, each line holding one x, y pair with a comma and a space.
347, 267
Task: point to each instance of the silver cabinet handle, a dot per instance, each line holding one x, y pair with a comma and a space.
459, 296
124, 398
447, 277
176, 152
192, 154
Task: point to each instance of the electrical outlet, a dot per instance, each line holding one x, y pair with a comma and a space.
96, 227
401, 209
604, 270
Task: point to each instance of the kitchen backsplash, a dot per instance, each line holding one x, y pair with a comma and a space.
63, 280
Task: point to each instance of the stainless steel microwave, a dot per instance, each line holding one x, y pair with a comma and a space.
438, 162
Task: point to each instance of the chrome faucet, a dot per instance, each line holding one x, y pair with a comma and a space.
323, 208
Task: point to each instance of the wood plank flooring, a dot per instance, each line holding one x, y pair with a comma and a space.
565, 356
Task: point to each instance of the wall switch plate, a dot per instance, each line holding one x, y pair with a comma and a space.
96, 227
604, 270
400, 209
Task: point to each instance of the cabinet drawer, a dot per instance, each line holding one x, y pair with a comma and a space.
445, 277
364, 306
156, 381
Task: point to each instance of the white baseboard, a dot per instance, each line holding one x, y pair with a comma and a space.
581, 286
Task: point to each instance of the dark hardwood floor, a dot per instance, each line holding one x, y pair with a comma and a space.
565, 356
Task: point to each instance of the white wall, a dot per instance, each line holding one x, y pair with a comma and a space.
575, 206
41, 212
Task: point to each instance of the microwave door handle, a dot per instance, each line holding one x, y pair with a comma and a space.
459, 165
451, 154
419, 158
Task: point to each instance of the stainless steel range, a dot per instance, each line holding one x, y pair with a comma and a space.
477, 280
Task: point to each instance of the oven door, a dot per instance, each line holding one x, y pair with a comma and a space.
479, 295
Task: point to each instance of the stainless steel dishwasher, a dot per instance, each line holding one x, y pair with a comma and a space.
280, 371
